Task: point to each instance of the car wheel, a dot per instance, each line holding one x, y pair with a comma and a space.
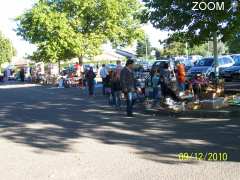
236, 77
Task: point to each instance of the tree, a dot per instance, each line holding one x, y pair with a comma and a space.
77, 28
221, 49
173, 48
7, 51
143, 47
234, 45
197, 26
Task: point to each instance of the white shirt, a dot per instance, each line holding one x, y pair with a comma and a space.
8, 72
103, 72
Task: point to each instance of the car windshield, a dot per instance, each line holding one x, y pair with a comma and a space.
205, 62
237, 60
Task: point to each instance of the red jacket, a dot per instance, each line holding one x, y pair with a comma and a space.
181, 73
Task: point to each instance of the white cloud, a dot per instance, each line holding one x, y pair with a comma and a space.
155, 35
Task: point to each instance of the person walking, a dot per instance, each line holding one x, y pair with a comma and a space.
22, 74
128, 85
116, 90
80, 73
103, 74
90, 77
116, 85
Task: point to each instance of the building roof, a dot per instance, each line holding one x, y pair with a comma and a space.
108, 56
20, 61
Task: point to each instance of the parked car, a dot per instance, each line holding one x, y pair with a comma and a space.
159, 64
187, 62
205, 66
233, 72
194, 58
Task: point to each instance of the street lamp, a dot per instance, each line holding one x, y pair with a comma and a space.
187, 49
146, 44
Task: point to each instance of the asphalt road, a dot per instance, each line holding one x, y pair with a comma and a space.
62, 134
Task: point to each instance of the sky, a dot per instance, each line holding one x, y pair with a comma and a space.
9, 9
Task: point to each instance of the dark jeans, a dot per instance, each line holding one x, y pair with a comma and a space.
116, 98
90, 87
130, 103
22, 78
103, 85
155, 93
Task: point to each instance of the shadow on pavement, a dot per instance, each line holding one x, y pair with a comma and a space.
51, 119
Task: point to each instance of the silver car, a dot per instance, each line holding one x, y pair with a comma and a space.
205, 66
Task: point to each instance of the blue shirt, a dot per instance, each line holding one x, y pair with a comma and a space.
155, 80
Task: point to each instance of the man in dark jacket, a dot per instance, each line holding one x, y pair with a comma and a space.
128, 84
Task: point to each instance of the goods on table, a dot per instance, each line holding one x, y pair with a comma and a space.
215, 103
193, 106
174, 106
234, 100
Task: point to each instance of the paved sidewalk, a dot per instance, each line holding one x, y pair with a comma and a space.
62, 134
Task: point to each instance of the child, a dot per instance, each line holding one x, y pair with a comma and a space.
90, 77
108, 88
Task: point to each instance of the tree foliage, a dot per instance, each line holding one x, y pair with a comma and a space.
234, 44
143, 45
7, 51
196, 26
77, 28
174, 48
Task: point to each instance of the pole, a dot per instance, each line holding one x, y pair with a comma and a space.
187, 50
146, 44
209, 49
216, 69
59, 66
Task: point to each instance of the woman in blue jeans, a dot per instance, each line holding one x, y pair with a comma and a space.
116, 90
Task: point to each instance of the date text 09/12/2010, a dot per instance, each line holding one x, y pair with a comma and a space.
201, 156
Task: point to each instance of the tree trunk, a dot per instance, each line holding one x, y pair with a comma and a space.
59, 66
80, 59
215, 49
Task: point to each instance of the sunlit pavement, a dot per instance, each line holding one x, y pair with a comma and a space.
51, 133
